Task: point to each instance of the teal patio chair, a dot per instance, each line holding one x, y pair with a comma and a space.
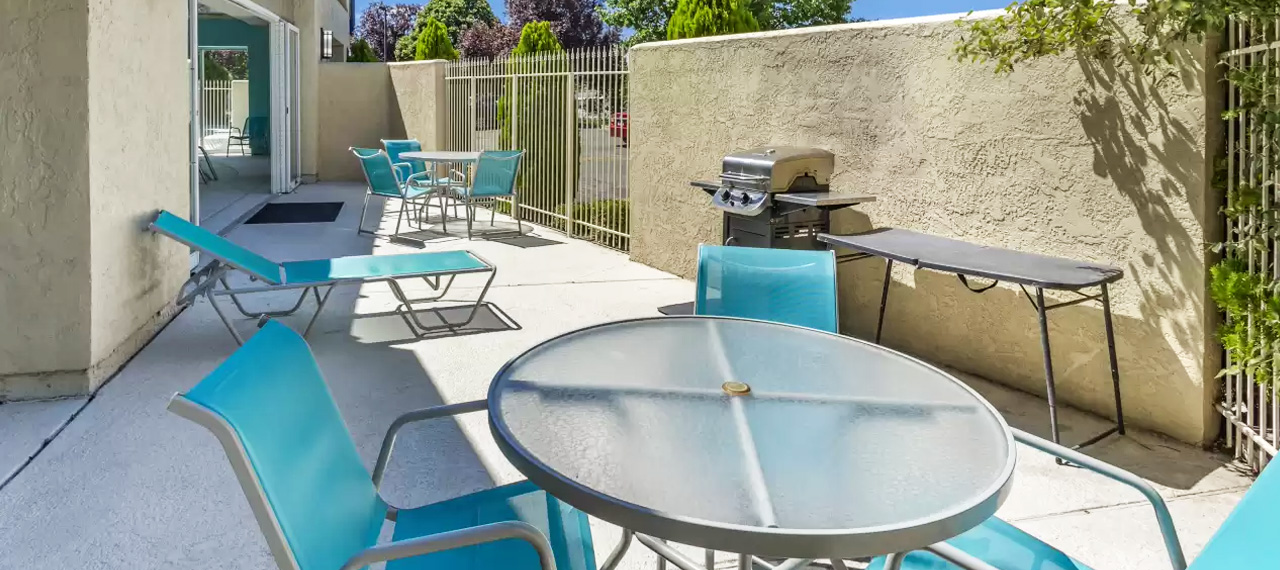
494, 177
318, 507
384, 179
397, 147
437, 269
1245, 541
789, 286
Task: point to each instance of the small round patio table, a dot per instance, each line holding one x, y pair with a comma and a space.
753, 437
441, 156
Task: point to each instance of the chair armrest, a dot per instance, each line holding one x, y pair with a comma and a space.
1167, 530
417, 176
236, 129
389, 440
460, 538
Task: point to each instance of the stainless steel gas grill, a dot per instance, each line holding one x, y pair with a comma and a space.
777, 197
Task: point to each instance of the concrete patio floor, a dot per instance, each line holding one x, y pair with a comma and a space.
125, 484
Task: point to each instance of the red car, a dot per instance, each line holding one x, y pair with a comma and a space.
618, 126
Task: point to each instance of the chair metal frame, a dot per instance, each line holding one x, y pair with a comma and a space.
205, 281
1168, 532
270, 526
422, 201
462, 193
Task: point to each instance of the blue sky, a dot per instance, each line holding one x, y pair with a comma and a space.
869, 9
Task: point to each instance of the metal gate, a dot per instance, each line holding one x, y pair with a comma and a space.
568, 112
215, 106
1248, 390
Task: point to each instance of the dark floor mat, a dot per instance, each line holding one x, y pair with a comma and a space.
297, 213
677, 309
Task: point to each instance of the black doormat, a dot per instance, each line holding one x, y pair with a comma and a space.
297, 213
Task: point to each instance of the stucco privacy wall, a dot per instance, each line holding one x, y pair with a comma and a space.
354, 117
420, 96
83, 284
1062, 158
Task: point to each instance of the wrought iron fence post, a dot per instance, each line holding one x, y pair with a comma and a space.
570, 154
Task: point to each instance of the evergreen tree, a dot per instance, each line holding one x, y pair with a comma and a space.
535, 106
699, 18
361, 51
433, 42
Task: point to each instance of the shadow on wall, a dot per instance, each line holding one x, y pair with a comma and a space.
1113, 129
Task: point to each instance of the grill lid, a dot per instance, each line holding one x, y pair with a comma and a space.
778, 169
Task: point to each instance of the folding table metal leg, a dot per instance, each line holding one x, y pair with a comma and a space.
709, 559
1111, 354
884, 297
1048, 363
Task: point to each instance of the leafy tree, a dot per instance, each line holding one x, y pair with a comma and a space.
648, 18
699, 18
233, 63
382, 25
575, 23
788, 14
433, 42
456, 15
489, 40
361, 52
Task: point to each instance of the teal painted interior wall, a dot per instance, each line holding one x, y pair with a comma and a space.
228, 32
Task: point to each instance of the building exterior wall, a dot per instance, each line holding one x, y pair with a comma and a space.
1066, 158
84, 283
420, 97
354, 117
44, 196
138, 165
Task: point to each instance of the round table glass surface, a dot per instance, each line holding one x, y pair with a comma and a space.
753, 437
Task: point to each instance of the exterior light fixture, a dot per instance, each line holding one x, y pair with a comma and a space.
326, 44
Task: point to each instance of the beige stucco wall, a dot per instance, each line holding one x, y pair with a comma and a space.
420, 96
44, 192
138, 114
354, 117
1060, 158
310, 16
83, 284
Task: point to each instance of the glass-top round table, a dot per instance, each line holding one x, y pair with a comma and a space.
753, 437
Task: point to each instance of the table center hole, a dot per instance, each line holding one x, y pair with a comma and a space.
736, 388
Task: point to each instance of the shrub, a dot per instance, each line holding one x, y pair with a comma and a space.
361, 51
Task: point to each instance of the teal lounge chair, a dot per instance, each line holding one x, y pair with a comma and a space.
1245, 541
437, 269
782, 285
318, 507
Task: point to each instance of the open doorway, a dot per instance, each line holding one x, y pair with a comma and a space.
245, 109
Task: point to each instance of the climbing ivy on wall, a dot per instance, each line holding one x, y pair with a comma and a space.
1243, 283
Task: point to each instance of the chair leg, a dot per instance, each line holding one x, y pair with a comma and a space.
469, 211
515, 213
360, 224
399, 218
444, 215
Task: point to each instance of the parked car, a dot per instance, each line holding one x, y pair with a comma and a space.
618, 127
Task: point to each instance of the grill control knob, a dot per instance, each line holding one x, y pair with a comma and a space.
725, 195
746, 198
